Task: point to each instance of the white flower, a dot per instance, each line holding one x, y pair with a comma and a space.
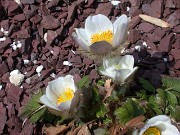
158, 125
16, 77
59, 93
100, 28
119, 68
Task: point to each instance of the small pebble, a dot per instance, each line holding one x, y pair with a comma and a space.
39, 68
26, 61
67, 63
2, 39
16, 77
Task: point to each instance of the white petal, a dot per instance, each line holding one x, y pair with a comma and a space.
46, 102
162, 118
122, 74
120, 30
168, 129
110, 72
69, 82
81, 38
57, 86
135, 132
163, 123
65, 105
127, 62
97, 23
131, 73
51, 95
109, 62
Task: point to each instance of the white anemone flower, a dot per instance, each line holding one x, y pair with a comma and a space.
59, 93
158, 125
119, 68
100, 28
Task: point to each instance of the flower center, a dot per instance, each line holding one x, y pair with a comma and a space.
102, 36
152, 131
68, 94
117, 67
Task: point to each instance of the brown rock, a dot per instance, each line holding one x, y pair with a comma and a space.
36, 19
134, 22
146, 8
52, 3
170, 4
176, 29
146, 27
4, 68
4, 44
3, 117
135, 3
12, 7
19, 17
134, 11
177, 64
53, 24
51, 35
104, 8
24, 33
13, 94
5, 24
173, 19
10, 62
175, 53
94, 75
166, 43
158, 34
134, 35
177, 43
157, 8
71, 12
27, 1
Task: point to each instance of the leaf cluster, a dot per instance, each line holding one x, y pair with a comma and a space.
164, 100
33, 110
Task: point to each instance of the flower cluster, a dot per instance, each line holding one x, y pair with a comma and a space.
101, 37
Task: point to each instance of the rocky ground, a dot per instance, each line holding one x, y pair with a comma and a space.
156, 50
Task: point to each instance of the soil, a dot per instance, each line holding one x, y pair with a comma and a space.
27, 22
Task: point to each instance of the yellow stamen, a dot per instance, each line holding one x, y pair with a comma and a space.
102, 36
68, 94
117, 67
152, 131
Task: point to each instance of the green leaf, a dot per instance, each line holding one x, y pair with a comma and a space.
107, 121
141, 94
95, 95
130, 109
153, 104
84, 82
102, 110
147, 85
100, 82
174, 111
32, 105
171, 98
171, 83
37, 116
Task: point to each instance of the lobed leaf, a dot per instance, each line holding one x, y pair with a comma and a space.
147, 85
171, 83
130, 109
